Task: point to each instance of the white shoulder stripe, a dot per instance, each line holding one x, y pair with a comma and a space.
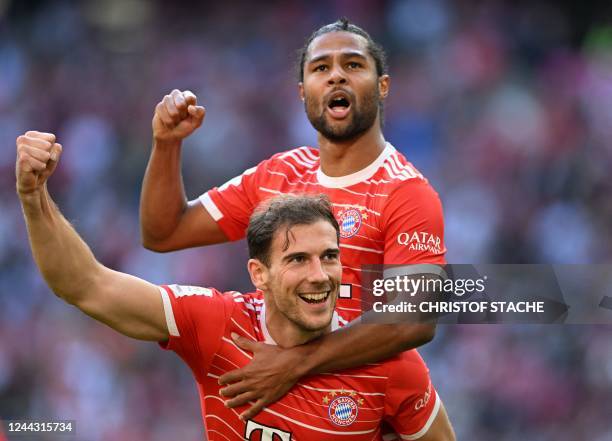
307, 152
399, 168
298, 174
211, 207
297, 153
392, 174
400, 171
170, 322
407, 167
302, 155
297, 158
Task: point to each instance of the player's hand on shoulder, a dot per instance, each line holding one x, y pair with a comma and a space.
37, 157
177, 116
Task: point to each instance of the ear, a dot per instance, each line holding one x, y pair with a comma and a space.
259, 273
301, 90
384, 82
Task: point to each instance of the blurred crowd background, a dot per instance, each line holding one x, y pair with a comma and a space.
505, 106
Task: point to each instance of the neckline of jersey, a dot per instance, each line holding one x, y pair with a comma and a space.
358, 176
335, 324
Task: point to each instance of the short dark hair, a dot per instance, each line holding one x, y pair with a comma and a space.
343, 25
285, 211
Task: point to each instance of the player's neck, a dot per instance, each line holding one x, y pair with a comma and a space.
344, 158
287, 334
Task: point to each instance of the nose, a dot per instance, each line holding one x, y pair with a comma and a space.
317, 273
336, 76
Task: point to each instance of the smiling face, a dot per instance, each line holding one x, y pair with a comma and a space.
341, 89
301, 282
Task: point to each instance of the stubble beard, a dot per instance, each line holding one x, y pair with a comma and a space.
362, 117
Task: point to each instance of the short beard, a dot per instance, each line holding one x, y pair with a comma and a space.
362, 119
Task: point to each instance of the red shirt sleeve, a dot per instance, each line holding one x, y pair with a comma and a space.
413, 224
231, 204
196, 319
412, 403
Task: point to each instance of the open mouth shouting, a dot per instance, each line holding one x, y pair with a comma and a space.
339, 104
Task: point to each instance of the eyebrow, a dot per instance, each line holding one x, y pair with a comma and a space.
332, 250
351, 54
288, 257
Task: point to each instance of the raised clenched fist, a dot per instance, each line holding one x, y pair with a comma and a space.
37, 156
176, 117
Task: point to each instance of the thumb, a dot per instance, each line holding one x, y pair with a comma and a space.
243, 343
55, 154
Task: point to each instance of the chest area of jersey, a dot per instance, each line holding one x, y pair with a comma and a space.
314, 410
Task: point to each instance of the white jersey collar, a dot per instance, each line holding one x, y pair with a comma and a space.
358, 176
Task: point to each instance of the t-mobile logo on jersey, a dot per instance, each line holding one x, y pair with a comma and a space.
267, 433
420, 241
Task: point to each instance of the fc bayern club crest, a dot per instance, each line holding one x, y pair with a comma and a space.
342, 408
350, 222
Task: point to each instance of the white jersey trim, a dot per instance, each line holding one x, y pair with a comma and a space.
428, 424
170, 322
359, 176
211, 207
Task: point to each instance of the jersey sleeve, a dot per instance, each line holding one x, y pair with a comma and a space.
231, 204
412, 403
196, 318
413, 225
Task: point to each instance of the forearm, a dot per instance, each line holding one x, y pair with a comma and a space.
65, 261
359, 344
163, 199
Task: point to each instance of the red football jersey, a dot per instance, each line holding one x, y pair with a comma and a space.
349, 404
387, 212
